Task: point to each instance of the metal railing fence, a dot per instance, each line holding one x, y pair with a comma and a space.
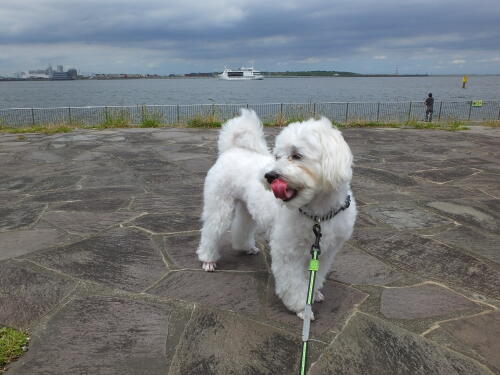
269, 113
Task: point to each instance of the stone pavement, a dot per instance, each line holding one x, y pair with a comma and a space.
98, 231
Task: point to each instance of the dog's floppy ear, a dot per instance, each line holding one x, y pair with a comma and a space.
336, 159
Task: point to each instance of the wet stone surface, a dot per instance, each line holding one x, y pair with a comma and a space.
98, 233
106, 335
371, 346
422, 301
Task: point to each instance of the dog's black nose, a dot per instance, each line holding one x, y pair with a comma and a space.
271, 176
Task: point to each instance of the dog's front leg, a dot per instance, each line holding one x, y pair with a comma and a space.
291, 284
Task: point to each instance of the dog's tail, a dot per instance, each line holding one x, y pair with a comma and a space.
245, 132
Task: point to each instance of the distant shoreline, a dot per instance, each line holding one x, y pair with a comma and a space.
267, 76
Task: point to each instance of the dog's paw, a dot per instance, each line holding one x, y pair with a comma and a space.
318, 296
252, 251
301, 315
209, 266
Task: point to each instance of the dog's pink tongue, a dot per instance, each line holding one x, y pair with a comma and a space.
280, 189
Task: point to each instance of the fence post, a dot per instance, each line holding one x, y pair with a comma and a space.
378, 111
69, 114
178, 119
314, 109
440, 106
470, 110
499, 114
33, 116
346, 111
409, 113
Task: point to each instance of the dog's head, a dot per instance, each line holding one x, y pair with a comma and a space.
312, 157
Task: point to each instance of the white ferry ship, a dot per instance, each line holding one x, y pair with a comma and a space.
242, 74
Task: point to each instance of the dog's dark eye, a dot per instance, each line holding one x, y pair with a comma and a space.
296, 156
276, 157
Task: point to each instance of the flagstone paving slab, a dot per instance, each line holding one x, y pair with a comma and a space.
369, 345
27, 293
423, 301
122, 258
231, 260
99, 229
355, 267
106, 335
235, 291
476, 336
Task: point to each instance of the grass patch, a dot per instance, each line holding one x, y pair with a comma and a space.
115, 119
491, 123
45, 129
368, 124
150, 119
12, 345
452, 125
280, 120
209, 121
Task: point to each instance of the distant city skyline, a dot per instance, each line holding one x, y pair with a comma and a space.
154, 37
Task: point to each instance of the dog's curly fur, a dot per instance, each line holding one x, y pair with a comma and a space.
314, 160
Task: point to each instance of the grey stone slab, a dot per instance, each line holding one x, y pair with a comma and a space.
43, 156
28, 293
99, 205
153, 203
476, 336
383, 176
88, 194
85, 222
149, 164
429, 191
352, 266
446, 174
431, 259
177, 183
106, 335
470, 212
488, 182
369, 345
10, 197
54, 183
20, 215
169, 223
15, 183
402, 215
241, 292
121, 258
181, 250
484, 244
18, 243
330, 315
224, 343
423, 301
101, 178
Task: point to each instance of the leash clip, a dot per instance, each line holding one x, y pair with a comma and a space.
317, 233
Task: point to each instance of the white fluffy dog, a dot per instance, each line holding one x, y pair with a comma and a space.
249, 188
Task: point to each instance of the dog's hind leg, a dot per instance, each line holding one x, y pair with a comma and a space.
243, 230
216, 220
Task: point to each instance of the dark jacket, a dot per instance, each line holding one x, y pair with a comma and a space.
429, 102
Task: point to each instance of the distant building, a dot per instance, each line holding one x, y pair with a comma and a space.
64, 76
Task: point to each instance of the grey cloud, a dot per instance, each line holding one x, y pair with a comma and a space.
232, 29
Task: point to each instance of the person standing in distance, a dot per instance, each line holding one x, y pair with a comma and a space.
429, 107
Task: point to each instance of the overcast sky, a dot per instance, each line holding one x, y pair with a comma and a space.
166, 36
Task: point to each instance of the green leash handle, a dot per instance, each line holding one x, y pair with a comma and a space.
313, 268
